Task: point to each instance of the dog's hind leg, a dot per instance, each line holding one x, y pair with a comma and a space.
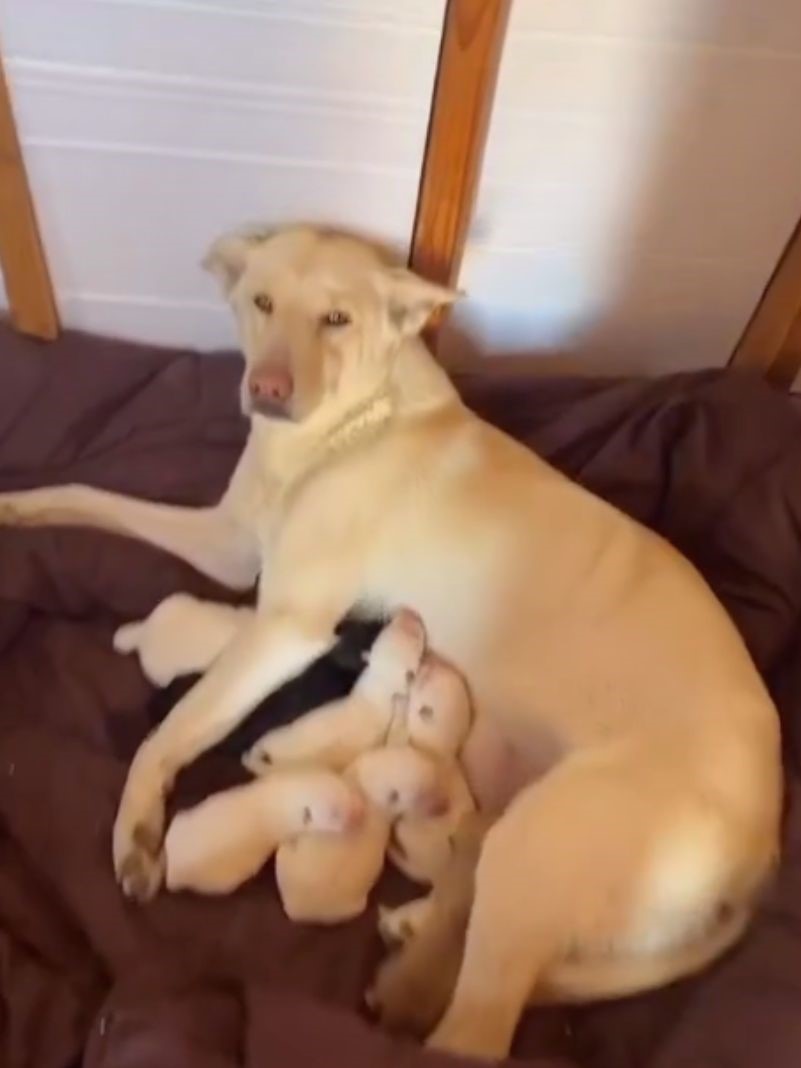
562, 872
209, 539
413, 985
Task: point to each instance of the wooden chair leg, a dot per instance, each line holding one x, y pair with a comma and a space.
27, 279
467, 71
771, 342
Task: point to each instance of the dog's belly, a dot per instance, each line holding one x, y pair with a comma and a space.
497, 765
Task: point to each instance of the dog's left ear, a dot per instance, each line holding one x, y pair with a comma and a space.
411, 300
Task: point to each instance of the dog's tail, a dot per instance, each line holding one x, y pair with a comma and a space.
609, 977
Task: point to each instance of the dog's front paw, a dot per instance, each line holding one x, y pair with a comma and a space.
10, 514
140, 868
138, 836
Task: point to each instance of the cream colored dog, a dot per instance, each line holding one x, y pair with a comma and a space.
596, 655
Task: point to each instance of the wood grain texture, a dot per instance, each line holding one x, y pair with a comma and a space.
470, 53
27, 279
772, 340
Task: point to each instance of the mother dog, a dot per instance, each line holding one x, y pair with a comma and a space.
593, 650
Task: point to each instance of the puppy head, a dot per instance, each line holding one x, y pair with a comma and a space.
395, 656
439, 710
401, 781
316, 800
318, 311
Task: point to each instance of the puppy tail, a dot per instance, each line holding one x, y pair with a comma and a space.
126, 638
606, 978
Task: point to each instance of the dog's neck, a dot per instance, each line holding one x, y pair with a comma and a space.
416, 386
420, 382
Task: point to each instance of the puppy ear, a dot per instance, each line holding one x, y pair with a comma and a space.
411, 300
228, 255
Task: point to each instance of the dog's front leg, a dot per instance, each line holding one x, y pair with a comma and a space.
212, 540
269, 650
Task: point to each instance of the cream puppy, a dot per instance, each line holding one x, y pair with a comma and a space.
438, 713
181, 636
335, 734
438, 719
420, 845
327, 878
216, 846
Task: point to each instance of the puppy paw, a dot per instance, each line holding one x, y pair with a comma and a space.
399, 925
257, 761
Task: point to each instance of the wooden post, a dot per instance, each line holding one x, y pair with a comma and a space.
469, 58
772, 340
30, 293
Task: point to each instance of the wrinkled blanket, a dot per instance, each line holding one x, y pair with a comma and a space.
713, 461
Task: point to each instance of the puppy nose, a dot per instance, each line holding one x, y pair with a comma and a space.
271, 384
354, 816
408, 621
436, 805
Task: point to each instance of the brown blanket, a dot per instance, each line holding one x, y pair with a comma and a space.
711, 460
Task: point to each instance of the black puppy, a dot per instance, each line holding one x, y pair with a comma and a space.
327, 679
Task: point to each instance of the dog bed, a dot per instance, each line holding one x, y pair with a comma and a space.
711, 460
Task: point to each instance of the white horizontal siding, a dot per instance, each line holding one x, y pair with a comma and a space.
149, 126
643, 174
344, 50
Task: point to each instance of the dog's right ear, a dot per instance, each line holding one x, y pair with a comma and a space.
412, 300
228, 255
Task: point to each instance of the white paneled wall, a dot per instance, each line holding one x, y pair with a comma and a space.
149, 126
643, 173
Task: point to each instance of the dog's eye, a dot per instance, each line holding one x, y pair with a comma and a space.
263, 303
336, 318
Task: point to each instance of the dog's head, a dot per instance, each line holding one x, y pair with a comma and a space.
317, 311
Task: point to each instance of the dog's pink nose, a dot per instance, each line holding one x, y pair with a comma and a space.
272, 385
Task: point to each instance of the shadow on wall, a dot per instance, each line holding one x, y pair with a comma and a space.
460, 349
688, 251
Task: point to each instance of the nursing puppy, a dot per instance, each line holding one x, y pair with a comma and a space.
437, 720
340, 731
327, 879
181, 636
219, 844
583, 636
